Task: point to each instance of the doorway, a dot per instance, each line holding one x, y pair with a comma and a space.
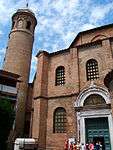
97, 129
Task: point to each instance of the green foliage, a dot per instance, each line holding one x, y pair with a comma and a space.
7, 116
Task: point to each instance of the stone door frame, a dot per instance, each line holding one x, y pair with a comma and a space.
92, 113
81, 116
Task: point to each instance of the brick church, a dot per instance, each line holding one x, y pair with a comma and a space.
71, 94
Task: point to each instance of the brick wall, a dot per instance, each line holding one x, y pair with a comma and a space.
74, 60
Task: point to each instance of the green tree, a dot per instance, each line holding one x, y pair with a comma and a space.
7, 116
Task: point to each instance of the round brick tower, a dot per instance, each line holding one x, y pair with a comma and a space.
18, 58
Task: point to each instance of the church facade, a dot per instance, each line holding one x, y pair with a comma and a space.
71, 95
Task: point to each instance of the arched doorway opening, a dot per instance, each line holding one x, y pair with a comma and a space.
94, 119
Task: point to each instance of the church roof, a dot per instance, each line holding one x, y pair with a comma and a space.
26, 10
89, 31
76, 38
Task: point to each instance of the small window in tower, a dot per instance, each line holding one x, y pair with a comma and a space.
59, 120
28, 26
13, 23
92, 69
20, 23
60, 76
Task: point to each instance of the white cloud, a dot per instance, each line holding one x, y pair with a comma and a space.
2, 51
34, 62
99, 12
2, 54
58, 20
33, 67
87, 26
8, 8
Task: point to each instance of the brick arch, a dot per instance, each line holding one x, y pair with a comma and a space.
59, 108
98, 37
93, 89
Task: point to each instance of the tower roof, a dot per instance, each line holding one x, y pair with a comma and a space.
26, 10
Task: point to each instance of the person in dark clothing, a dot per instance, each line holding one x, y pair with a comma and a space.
97, 146
87, 146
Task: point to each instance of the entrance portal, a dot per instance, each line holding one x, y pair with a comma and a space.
97, 130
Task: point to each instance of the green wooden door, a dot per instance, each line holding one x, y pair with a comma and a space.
97, 130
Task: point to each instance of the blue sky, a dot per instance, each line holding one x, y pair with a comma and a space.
59, 21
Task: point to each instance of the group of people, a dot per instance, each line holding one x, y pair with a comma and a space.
87, 146
92, 146
72, 145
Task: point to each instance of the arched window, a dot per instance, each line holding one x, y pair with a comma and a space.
13, 23
59, 120
92, 69
28, 26
60, 76
20, 23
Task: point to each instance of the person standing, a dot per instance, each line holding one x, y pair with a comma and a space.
71, 146
87, 146
74, 146
91, 146
100, 145
78, 145
97, 146
66, 145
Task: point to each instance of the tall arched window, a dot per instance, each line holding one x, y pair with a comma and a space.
13, 23
20, 23
60, 76
59, 120
28, 26
92, 69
